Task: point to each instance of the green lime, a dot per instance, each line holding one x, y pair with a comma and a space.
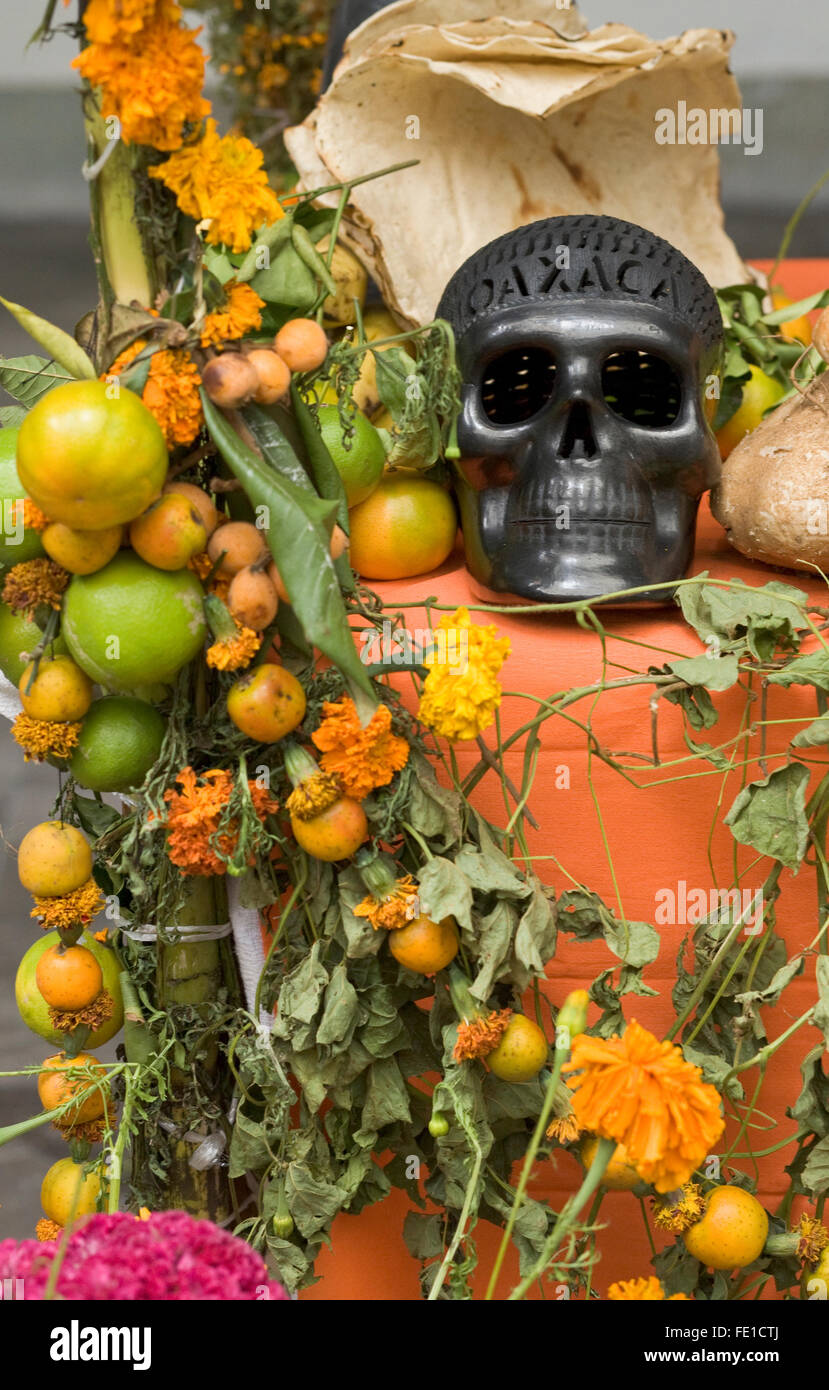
16, 544
130, 625
359, 462
33, 1008
119, 741
19, 637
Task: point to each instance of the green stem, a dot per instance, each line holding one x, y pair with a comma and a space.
568, 1216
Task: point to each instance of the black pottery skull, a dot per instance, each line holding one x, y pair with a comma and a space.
584, 344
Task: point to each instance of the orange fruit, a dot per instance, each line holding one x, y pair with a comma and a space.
732, 1230
33, 1008
54, 1088
620, 1174
797, 330
406, 527
302, 345
252, 599
424, 946
67, 1192
199, 499
273, 374
235, 546
81, 552
266, 703
60, 691
53, 859
522, 1051
90, 458
335, 833
169, 533
758, 394
69, 977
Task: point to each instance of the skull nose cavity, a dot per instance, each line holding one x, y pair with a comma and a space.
642, 388
578, 440
517, 384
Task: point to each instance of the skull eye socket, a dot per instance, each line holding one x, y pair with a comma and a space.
642, 388
517, 385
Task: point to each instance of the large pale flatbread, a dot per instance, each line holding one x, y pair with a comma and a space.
513, 121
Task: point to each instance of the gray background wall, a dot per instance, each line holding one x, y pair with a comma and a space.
781, 61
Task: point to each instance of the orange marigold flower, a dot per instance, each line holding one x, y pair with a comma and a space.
47, 1230
221, 180
33, 518
171, 391
477, 1037
33, 582
105, 21
152, 86
201, 564
233, 653
565, 1129
239, 315
813, 1239
193, 817
44, 738
643, 1291
362, 758
642, 1093
92, 1016
81, 905
394, 910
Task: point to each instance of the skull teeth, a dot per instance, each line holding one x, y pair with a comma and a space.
588, 498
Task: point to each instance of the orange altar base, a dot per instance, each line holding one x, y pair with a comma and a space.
658, 838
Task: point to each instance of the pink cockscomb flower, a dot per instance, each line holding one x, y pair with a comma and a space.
167, 1256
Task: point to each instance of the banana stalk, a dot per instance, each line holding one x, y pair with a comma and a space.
125, 269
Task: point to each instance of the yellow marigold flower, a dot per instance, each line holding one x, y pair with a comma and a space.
461, 692
813, 1239
362, 758
395, 909
239, 315
681, 1210
313, 795
47, 1230
91, 1016
81, 905
231, 654
42, 738
32, 583
643, 1291
105, 21
33, 518
201, 564
143, 1214
477, 1037
153, 85
171, 391
221, 179
642, 1093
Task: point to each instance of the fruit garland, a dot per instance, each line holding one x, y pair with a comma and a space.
204, 584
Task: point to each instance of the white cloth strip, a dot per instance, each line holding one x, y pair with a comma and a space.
250, 953
149, 933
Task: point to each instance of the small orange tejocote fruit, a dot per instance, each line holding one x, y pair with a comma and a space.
266, 703
197, 498
60, 691
235, 546
169, 533
424, 946
230, 380
336, 833
274, 376
302, 345
69, 977
67, 1192
522, 1051
81, 552
55, 1089
53, 859
620, 1174
732, 1230
252, 598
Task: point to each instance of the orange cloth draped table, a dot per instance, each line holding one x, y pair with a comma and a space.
658, 838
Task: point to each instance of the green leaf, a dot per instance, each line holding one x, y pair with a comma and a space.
811, 1109
434, 810
248, 1145
95, 817
770, 815
444, 891
815, 1174
298, 541
794, 311
765, 618
699, 708
635, 943
12, 416
804, 670
61, 346
313, 1202
714, 673
423, 1235
814, 736
29, 378
820, 1017
287, 281
341, 1009
276, 449
535, 939
325, 473
492, 950
386, 1098
714, 1069
361, 938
